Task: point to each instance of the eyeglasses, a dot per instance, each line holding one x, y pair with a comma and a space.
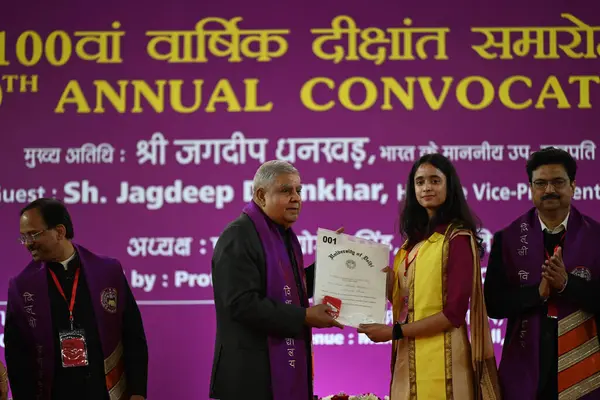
558, 183
30, 237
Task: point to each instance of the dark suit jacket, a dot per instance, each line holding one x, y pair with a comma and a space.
245, 317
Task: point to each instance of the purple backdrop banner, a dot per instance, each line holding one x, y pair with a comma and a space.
149, 121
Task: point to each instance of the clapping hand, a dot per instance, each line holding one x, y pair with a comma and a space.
555, 272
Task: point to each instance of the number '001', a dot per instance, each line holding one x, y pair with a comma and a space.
330, 240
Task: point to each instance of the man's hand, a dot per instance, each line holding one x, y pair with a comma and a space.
340, 230
555, 272
137, 397
318, 317
377, 332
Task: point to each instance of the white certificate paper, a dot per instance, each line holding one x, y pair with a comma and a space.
349, 268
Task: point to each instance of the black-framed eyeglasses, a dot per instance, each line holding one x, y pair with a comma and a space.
27, 238
557, 183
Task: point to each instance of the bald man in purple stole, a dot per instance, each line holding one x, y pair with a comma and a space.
544, 277
73, 329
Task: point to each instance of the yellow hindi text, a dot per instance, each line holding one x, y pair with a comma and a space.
346, 41
60, 47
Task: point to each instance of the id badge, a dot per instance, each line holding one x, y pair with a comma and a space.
73, 349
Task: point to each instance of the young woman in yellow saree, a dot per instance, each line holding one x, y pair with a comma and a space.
435, 274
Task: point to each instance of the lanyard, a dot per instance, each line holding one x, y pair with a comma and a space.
560, 244
552, 308
73, 293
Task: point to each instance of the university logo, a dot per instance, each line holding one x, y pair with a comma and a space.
582, 272
109, 300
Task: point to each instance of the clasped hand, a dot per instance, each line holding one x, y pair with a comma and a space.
554, 271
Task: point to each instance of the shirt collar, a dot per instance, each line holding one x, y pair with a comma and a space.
561, 227
64, 264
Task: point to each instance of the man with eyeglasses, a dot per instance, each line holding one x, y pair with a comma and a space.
543, 276
73, 329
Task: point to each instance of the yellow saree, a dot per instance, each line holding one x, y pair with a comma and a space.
444, 366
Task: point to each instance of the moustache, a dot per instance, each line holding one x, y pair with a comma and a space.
550, 196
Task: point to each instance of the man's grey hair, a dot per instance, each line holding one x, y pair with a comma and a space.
268, 172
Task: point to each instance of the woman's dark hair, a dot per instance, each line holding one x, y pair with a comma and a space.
414, 220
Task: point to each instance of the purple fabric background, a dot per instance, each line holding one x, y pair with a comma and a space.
181, 334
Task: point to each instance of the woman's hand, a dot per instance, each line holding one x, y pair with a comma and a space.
377, 332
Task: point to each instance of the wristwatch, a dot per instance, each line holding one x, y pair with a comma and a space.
397, 333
